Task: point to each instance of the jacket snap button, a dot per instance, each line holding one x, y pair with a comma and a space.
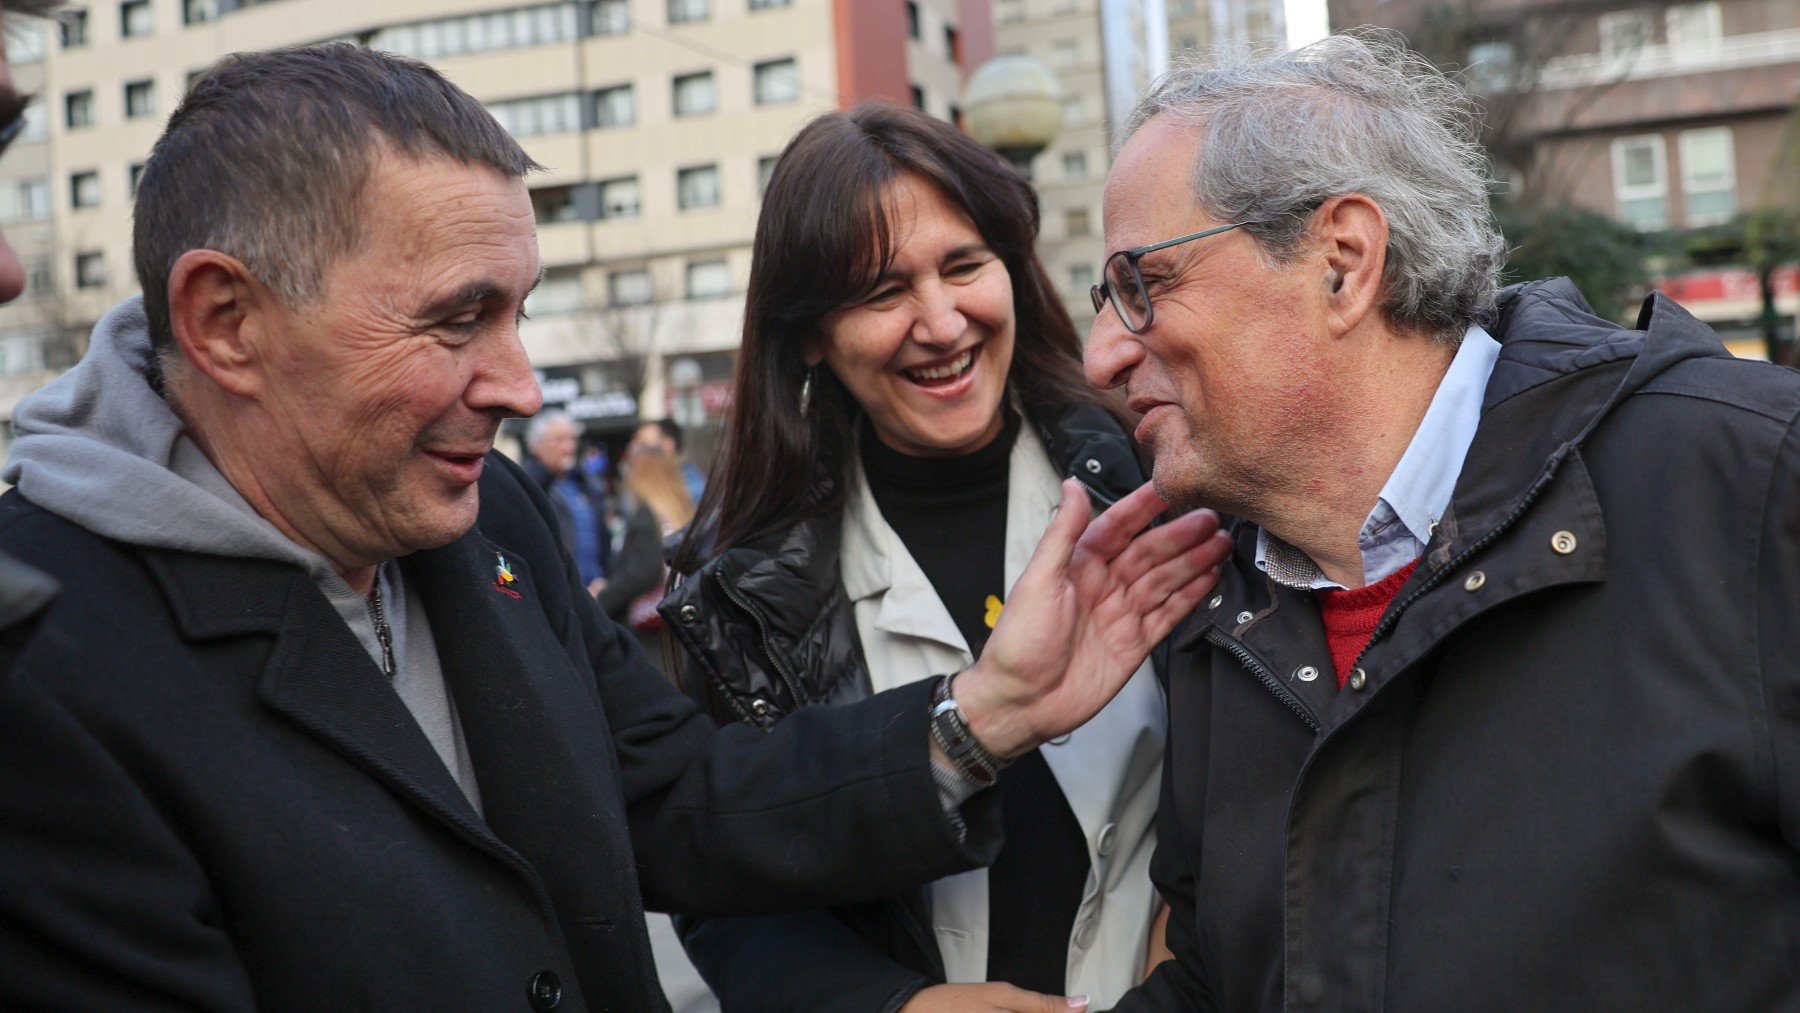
689, 613
1084, 936
545, 991
1244, 617
1563, 542
1109, 835
759, 707
1217, 600
1475, 581
1358, 679
1306, 673
1093, 466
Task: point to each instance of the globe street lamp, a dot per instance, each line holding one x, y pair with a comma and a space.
1014, 105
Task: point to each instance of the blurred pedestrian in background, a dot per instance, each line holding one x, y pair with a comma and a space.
908, 402
667, 436
578, 499
653, 504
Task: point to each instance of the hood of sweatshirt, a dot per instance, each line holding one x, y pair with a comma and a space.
99, 447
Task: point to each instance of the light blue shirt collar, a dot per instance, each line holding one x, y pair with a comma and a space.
1418, 491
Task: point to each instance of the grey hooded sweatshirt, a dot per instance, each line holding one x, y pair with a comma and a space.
100, 448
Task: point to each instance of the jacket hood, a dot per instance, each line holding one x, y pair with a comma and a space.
99, 447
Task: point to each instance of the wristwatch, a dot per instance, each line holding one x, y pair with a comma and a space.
951, 730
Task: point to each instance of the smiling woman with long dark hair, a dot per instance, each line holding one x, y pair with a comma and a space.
909, 397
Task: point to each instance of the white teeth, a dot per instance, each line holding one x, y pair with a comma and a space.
949, 369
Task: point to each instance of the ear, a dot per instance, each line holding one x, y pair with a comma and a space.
217, 312
1351, 233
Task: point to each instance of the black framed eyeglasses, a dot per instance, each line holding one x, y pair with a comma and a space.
1123, 286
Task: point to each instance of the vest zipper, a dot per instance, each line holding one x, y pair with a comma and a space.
1262, 673
768, 647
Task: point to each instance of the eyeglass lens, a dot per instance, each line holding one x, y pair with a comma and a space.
1127, 292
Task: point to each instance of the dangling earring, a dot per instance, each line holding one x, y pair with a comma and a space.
806, 392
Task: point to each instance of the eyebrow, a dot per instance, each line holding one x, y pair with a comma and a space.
472, 293
959, 253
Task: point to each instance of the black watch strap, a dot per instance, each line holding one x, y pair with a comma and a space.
951, 730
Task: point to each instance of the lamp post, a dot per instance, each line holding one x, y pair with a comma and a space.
1014, 105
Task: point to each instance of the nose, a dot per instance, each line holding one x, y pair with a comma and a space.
1112, 352
939, 321
12, 273
504, 383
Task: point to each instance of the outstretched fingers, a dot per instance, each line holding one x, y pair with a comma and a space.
1168, 592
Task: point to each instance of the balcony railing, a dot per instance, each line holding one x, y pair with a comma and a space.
1733, 52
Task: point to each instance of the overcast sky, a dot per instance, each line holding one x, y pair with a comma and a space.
1305, 21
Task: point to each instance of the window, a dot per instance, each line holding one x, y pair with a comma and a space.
552, 204
1624, 33
90, 270
74, 28
912, 19
694, 94
708, 279
24, 41
133, 178
763, 5
198, 12
140, 99
777, 81
952, 44
630, 288
24, 200
37, 123
612, 17
1641, 181
918, 97
547, 114
1008, 11
38, 279
682, 11
1181, 8
1075, 165
1081, 277
1076, 222
559, 292
78, 109
615, 106
1708, 175
84, 189
1065, 53
765, 171
619, 198
1490, 67
1694, 29
697, 187
135, 19
482, 33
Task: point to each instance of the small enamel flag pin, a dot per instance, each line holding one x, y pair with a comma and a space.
503, 578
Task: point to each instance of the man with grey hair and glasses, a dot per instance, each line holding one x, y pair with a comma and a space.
324, 718
1497, 705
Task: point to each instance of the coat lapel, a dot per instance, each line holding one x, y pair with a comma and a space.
318, 676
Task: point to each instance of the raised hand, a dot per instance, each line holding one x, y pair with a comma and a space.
1090, 605
994, 996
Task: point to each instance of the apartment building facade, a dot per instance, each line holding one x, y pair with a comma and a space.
658, 122
1671, 117
1106, 53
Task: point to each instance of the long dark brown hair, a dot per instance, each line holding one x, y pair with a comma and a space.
823, 240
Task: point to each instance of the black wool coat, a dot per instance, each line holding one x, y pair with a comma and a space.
1570, 779
210, 798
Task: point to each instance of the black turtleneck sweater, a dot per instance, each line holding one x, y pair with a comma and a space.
950, 512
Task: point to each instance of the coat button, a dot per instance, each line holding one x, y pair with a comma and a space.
759, 707
545, 991
1244, 617
1093, 466
1084, 936
689, 613
1563, 542
1109, 837
1475, 581
1306, 673
1217, 600
1358, 679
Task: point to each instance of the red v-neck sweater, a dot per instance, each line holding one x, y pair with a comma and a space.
1351, 615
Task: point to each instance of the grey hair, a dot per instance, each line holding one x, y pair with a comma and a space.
544, 420
1354, 113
